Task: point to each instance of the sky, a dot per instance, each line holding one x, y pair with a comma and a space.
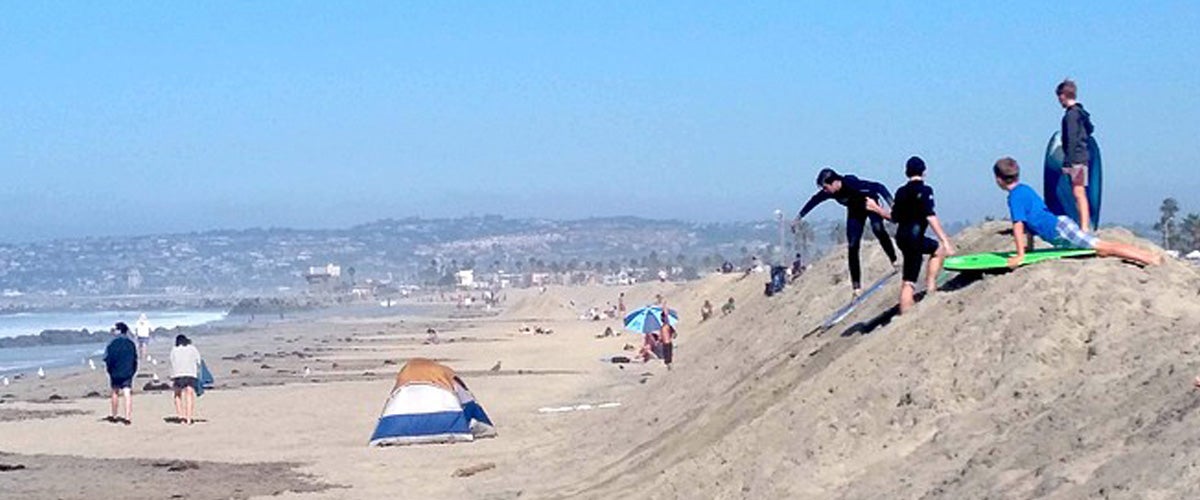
127, 118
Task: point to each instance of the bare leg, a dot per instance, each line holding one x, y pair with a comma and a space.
934, 269
190, 403
115, 403
906, 296
1127, 252
128, 404
179, 404
1081, 204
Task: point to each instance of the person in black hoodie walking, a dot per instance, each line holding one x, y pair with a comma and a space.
121, 362
861, 199
1076, 132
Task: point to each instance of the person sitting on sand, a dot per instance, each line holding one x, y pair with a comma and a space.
913, 212
121, 363
185, 369
650, 347
727, 308
1029, 212
706, 311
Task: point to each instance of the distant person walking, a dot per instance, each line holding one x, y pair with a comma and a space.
142, 329
185, 370
121, 363
861, 199
1077, 130
797, 267
666, 338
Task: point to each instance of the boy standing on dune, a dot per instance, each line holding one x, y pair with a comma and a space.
1029, 212
1077, 130
913, 213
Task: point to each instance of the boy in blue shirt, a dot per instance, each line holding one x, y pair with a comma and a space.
1029, 212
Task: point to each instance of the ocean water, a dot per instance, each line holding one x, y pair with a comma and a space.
12, 325
27, 360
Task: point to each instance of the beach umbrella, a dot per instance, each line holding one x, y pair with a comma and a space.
647, 319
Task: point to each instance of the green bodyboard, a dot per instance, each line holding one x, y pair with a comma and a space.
994, 261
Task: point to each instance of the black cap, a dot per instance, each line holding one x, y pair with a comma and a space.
915, 166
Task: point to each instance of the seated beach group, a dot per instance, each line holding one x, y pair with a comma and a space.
912, 209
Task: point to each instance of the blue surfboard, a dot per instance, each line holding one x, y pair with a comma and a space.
841, 314
1056, 187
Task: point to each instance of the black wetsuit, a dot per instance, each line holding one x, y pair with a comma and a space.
911, 212
853, 195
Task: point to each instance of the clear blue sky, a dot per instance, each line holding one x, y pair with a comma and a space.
138, 117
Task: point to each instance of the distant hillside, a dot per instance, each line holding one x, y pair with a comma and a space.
411, 250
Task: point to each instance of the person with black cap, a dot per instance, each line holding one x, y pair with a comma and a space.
862, 201
913, 212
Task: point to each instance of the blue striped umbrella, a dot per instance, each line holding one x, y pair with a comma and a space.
648, 319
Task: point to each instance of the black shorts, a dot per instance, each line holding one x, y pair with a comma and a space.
914, 252
181, 383
121, 383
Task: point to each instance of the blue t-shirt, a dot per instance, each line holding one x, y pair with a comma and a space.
1024, 205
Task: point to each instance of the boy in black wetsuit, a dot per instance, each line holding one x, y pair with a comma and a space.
861, 199
913, 212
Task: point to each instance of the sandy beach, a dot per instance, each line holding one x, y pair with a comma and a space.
1083, 393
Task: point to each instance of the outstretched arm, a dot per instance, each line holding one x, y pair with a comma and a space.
816, 199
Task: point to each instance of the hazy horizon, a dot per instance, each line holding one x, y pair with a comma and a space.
174, 118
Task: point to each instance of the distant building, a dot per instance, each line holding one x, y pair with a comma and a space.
323, 277
465, 278
133, 279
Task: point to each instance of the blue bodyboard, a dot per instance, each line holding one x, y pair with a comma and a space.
1056, 187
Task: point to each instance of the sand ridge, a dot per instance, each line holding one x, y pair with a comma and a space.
1063, 380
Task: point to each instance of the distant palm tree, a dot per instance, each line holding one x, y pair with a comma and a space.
838, 233
1191, 231
803, 232
1166, 223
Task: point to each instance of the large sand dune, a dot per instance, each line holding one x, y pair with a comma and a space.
1067, 379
